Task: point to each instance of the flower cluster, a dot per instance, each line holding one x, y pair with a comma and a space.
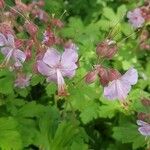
47, 61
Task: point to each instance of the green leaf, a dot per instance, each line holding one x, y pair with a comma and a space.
129, 134
9, 137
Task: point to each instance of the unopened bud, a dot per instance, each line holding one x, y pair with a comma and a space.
41, 3
145, 102
103, 75
106, 49
90, 77
31, 28
2, 4
57, 22
113, 74
18, 43
143, 116
107, 75
6, 28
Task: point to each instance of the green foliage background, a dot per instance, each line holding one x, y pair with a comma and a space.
35, 118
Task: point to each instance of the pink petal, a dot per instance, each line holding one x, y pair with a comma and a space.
2, 40
52, 57
69, 56
52, 77
11, 40
142, 123
117, 90
131, 76
44, 69
6, 50
19, 55
145, 130
69, 72
110, 91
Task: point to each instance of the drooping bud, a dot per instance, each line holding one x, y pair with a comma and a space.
107, 75
113, 74
41, 15
28, 50
143, 116
57, 22
50, 38
145, 102
91, 76
31, 28
6, 28
106, 49
145, 12
103, 75
18, 43
2, 4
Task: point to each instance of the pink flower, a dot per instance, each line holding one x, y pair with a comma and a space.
120, 87
55, 66
10, 51
135, 18
22, 81
144, 128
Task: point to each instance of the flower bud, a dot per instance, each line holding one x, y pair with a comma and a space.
6, 28
143, 116
107, 75
106, 49
31, 28
28, 50
145, 102
2, 4
41, 15
41, 3
90, 77
57, 22
18, 43
113, 74
103, 75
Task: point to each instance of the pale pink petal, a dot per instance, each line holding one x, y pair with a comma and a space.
110, 91
52, 77
11, 41
19, 55
69, 72
52, 57
2, 40
145, 130
69, 56
44, 69
131, 76
123, 89
6, 50
141, 123
117, 90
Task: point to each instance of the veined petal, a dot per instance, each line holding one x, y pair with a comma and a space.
10, 40
52, 57
19, 55
131, 76
117, 89
123, 89
110, 91
69, 71
69, 56
2, 40
44, 69
142, 123
145, 130
6, 50
7, 58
